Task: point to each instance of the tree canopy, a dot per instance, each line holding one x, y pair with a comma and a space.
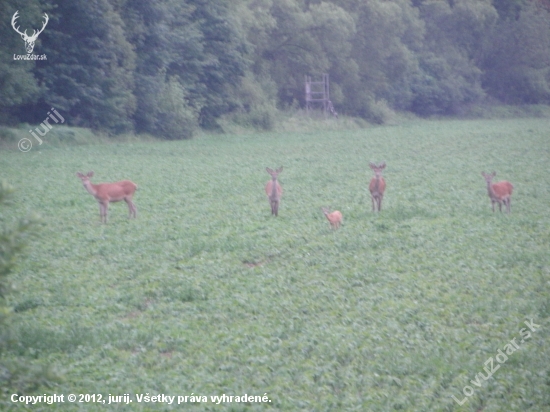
168, 67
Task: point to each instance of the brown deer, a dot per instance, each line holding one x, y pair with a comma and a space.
334, 218
274, 190
110, 192
377, 186
500, 192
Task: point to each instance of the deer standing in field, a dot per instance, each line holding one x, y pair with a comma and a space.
500, 192
274, 190
110, 192
377, 186
334, 218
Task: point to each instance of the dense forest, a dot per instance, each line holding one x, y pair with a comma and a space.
168, 67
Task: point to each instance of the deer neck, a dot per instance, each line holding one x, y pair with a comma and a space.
490, 190
274, 188
92, 189
376, 182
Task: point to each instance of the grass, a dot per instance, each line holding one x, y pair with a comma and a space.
205, 293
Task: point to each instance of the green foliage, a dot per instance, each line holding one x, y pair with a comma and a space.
175, 119
490, 111
193, 43
517, 62
223, 59
111, 63
15, 375
18, 84
449, 78
92, 80
206, 293
12, 240
463, 28
509, 9
297, 40
258, 118
445, 84
388, 35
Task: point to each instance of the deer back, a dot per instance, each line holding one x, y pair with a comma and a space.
335, 217
115, 191
269, 189
377, 185
502, 189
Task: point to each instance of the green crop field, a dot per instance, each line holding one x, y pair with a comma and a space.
206, 293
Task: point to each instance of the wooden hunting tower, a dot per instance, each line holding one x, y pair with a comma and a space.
319, 93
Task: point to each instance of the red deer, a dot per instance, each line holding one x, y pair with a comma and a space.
377, 186
334, 218
110, 192
274, 190
500, 192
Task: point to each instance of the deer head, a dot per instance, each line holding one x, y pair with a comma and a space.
29, 40
377, 168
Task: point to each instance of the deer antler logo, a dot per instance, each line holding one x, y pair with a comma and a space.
29, 40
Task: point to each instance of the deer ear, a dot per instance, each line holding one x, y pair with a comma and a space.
280, 169
382, 165
79, 174
90, 174
494, 174
268, 170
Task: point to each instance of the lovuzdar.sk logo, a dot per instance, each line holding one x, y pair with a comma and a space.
29, 40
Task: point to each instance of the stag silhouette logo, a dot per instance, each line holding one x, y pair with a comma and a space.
29, 40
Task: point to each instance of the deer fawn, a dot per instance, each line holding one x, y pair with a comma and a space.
500, 192
110, 192
334, 218
377, 186
274, 190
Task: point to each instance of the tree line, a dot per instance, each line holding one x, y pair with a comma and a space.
168, 67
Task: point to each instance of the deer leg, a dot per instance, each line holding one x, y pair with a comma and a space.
131, 207
372, 199
380, 202
103, 211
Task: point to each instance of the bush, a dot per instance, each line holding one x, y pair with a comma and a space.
15, 376
263, 117
445, 84
176, 119
380, 112
516, 60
